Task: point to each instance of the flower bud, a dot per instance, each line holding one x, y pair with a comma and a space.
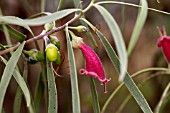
54, 40
49, 26
34, 56
79, 28
51, 52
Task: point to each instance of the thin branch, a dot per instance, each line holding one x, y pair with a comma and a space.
41, 36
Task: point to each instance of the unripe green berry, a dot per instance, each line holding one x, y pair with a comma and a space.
51, 52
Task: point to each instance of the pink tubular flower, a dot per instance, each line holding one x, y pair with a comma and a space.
94, 67
164, 42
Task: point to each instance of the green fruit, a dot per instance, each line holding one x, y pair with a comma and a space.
51, 52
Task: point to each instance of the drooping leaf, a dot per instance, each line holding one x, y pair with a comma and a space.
141, 18
140, 99
37, 21
7, 74
117, 36
73, 75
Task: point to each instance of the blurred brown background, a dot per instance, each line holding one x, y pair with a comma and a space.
146, 54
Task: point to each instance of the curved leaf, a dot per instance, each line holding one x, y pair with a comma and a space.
37, 21
7, 74
141, 18
73, 75
21, 82
117, 36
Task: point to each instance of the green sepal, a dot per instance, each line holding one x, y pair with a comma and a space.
58, 60
54, 40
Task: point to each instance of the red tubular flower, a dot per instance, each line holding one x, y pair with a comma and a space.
164, 42
94, 66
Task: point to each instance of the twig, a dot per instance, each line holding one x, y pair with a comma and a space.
41, 36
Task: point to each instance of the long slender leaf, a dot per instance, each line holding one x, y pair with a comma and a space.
7, 74
140, 84
18, 95
37, 21
73, 75
163, 99
96, 106
52, 90
141, 18
15, 34
43, 5
40, 88
21, 83
60, 5
130, 4
127, 80
76, 2
117, 36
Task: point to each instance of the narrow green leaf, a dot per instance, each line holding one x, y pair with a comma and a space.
17, 101
73, 75
21, 82
18, 36
76, 3
14, 20
18, 95
37, 21
130, 4
96, 106
163, 99
124, 103
141, 18
127, 80
7, 74
43, 5
52, 90
40, 88
117, 36
60, 5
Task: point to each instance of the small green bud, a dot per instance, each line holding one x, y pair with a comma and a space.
49, 26
79, 28
51, 52
54, 40
58, 60
34, 56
